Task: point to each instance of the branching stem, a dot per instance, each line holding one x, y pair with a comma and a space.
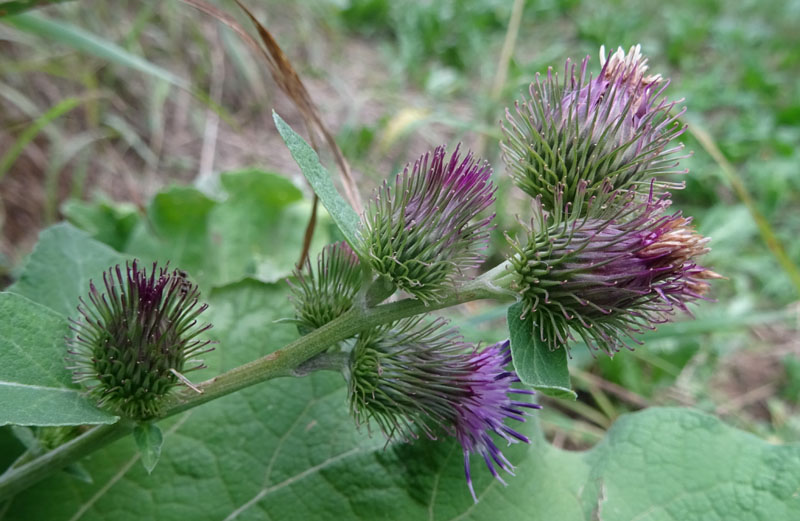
283, 362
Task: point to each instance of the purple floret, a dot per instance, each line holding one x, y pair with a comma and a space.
486, 406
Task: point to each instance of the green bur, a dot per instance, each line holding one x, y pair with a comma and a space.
133, 342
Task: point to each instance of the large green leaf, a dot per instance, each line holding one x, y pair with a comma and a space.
35, 386
677, 464
342, 213
177, 231
535, 363
62, 264
106, 221
257, 230
254, 233
287, 449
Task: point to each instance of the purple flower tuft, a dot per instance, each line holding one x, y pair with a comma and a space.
612, 130
421, 233
414, 378
132, 343
487, 404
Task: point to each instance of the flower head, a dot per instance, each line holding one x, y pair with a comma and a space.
326, 294
133, 342
622, 267
612, 129
422, 232
416, 378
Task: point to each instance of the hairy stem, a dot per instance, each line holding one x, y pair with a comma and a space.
282, 362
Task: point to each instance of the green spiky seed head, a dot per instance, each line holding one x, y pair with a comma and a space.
133, 343
327, 293
624, 267
414, 378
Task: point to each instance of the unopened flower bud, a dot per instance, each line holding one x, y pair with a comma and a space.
327, 293
423, 232
134, 341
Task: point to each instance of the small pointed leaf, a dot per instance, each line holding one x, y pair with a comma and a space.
149, 440
79, 472
342, 213
537, 366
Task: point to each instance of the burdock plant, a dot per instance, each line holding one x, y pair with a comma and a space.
614, 129
423, 232
134, 342
413, 378
603, 259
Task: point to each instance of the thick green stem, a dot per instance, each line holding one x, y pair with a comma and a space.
282, 362
18, 479
500, 279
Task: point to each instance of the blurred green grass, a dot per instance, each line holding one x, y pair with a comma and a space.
395, 78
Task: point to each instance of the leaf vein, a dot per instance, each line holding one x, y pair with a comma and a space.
290, 481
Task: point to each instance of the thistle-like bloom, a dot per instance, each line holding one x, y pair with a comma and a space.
133, 342
414, 378
622, 268
328, 293
422, 233
612, 129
